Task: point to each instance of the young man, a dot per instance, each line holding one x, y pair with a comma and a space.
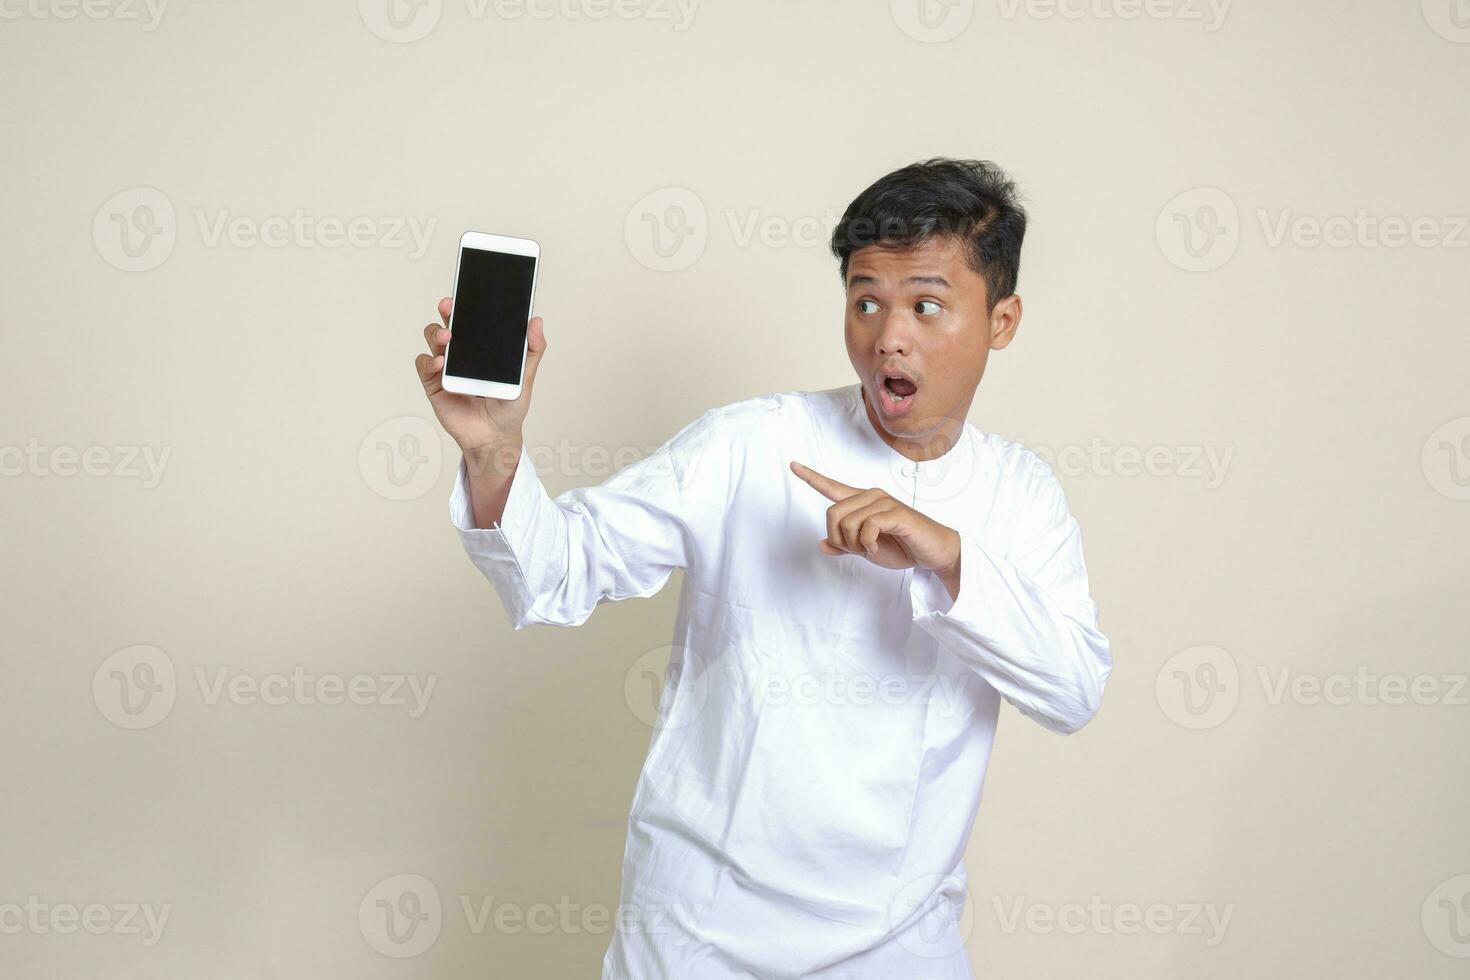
866, 577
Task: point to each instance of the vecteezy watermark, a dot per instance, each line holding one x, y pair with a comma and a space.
932, 21
39, 918
142, 463
932, 916
401, 458
1283, 685
937, 21
1209, 13
403, 916
568, 917
1445, 917
305, 689
1446, 459
667, 230
668, 687
1200, 687
661, 679
137, 687
405, 21
148, 13
1205, 464
1097, 917
136, 230
1200, 230
1450, 19
839, 688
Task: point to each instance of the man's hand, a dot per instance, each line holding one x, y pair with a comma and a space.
483, 427
488, 430
886, 532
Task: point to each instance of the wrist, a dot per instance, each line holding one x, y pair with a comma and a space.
494, 460
949, 574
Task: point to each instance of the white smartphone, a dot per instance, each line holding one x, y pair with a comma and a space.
494, 287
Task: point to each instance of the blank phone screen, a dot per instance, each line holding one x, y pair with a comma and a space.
492, 302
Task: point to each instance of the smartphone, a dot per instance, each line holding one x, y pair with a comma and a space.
494, 287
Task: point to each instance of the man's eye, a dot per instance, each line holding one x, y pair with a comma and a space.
863, 305
933, 307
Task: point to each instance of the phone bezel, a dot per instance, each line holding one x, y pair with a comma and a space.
487, 242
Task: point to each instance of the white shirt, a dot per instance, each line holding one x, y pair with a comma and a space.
823, 733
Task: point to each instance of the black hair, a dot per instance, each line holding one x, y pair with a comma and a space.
972, 200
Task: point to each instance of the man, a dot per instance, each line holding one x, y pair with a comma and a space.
867, 576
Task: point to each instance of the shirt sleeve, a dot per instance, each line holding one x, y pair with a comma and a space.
1026, 622
554, 561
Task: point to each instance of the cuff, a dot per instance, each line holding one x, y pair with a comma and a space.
504, 553
931, 601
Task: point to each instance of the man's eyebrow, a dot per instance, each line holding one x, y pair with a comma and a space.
923, 280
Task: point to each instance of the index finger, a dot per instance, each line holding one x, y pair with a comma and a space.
446, 306
825, 485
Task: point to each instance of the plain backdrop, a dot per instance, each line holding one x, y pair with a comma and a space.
228, 564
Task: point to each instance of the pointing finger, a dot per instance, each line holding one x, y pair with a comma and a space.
826, 486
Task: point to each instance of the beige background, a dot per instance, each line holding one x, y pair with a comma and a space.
1329, 383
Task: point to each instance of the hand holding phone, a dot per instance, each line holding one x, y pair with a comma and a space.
484, 353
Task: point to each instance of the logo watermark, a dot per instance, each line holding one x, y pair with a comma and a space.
149, 14
1445, 917
1209, 14
143, 463
1200, 687
676, 695
137, 687
145, 921
401, 458
305, 689
1206, 920
932, 21
406, 21
136, 230
1201, 229
933, 916
1450, 19
1446, 459
401, 916
1203, 463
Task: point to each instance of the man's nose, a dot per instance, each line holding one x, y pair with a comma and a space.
895, 337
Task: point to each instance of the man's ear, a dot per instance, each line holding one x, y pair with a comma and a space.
1004, 320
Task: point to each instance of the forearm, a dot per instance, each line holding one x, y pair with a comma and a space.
489, 473
1045, 657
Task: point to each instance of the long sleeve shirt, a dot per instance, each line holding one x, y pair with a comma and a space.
822, 737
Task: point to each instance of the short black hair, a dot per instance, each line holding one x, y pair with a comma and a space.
972, 200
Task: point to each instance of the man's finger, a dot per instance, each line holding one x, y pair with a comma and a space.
535, 347
866, 525
839, 529
826, 486
849, 523
431, 370
446, 306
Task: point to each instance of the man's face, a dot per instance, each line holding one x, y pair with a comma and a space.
920, 312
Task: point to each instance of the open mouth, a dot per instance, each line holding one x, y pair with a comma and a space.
898, 389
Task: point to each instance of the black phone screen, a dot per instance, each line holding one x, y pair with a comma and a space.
492, 304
